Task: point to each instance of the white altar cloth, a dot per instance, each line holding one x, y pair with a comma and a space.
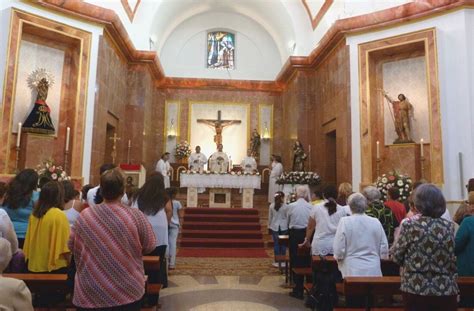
220, 181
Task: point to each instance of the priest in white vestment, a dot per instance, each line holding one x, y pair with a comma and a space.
249, 164
277, 170
196, 162
164, 167
219, 161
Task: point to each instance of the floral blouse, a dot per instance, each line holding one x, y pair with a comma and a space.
425, 251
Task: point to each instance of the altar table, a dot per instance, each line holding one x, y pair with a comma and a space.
220, 184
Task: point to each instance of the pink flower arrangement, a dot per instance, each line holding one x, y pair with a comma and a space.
51, 171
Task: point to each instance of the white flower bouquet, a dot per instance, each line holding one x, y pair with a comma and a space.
49, 170
394, 179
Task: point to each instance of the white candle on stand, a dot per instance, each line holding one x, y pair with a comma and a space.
18, 136
378, 150
68, 134
421, 148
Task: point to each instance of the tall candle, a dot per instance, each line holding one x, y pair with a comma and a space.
68, 134
18, 136
421, 148
378, 150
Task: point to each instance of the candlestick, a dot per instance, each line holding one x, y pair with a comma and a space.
128, 151
378, 149
377, 168
309, 160
68, 134
17, 148
18, 136
422, 153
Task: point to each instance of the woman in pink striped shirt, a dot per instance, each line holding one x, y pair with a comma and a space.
107, 242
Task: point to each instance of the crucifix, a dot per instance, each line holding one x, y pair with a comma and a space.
114, 138
218, 126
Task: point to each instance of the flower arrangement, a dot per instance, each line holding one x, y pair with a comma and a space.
51, 171
394, 179
299, 178
183, 150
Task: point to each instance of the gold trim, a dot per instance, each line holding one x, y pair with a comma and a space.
247, 106
5, 80
361, 50
178, 122
80, 52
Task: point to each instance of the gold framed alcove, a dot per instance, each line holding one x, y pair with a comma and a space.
76, 45
402, 157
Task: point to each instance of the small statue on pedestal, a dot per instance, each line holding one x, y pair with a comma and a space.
255, 142
299, 157
39, 120
401, 111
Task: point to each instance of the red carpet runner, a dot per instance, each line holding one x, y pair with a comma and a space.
221, 232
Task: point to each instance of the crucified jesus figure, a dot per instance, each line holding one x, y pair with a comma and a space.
218, 126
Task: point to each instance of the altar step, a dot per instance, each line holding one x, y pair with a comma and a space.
228, 234
221, 228
221, 218
221, 211
221, 243
221, 225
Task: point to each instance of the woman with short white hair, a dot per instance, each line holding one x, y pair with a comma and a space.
360, 241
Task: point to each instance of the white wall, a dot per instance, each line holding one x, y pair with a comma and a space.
5, 11
455, 74
184, 52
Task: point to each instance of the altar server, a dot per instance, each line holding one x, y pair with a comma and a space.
163, 166
277, 170
249, 164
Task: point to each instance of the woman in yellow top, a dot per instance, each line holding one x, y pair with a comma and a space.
48, 232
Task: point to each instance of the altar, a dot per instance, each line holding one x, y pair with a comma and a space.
220, 186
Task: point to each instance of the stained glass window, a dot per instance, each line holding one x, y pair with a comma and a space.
220, 50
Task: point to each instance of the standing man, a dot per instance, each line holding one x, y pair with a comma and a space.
219, 161
196, 163
298, 216
249, 164
277, 170
197, 160
164, 167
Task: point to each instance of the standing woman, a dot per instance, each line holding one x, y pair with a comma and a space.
19, 201
153, 201
278, 223
277, 170
48, 232
425, 252
173, 228
72, 203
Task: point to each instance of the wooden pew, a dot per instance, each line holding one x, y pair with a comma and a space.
45, 282
390, 285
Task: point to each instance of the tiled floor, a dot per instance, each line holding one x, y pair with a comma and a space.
228, 293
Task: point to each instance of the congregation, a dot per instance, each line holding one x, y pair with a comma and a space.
101, 251
360, 230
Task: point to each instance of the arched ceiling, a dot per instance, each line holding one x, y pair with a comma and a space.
272, 15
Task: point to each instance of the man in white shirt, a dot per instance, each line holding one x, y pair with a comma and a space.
219, 161
298, 216
92, 198
196, 163
164, 167
249, 164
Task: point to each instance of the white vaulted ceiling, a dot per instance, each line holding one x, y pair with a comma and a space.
269, 30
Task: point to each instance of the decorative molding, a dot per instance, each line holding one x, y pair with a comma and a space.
222, 84
391, 17
129, 10
322, 11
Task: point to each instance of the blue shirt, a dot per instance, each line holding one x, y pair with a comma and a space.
20, 216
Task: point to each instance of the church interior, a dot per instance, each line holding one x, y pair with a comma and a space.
241, 112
